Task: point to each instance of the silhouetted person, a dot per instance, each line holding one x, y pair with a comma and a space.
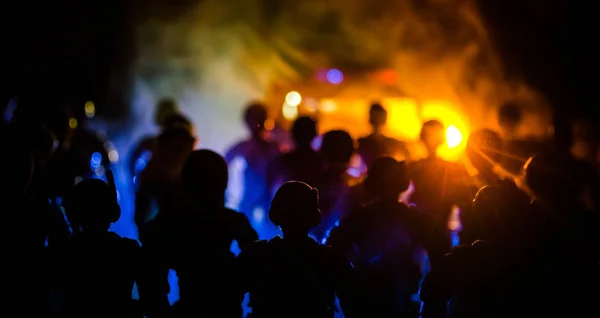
25, 229
565, 190
294, 276
97, 268
377, 144
257, 152
337, 149
195, 241
301, 164
42, 144
382, 240
167, 113
159, 183
500, 274
439, 185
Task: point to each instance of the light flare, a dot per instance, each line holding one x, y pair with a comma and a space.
453, 137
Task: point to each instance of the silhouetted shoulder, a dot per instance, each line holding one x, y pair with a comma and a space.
235, 216
235, 151
254, 253
333, 258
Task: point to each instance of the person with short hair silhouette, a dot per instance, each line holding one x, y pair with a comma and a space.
257, 152
195, 241
167, 115
502, 269
294, 276
160, 182
334, 184
382, 240
97, 268
438, 186
301, 164
377, 144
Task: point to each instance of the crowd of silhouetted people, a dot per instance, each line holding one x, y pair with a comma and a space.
408, 238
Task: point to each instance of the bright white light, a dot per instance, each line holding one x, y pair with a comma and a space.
453, 137
289, 112
113, 156
328, 106
293, 99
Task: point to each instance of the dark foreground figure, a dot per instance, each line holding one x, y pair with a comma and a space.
96, 268
195, 241
294, 276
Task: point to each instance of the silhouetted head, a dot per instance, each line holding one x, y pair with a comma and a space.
93, 206
387, 178
178, 121
554, 179
176, 142
304, 130
255, 117
497, 210
205, 175
165, 108
432, 135
484, 149
377, 116
295, 208
509, 116
337, 146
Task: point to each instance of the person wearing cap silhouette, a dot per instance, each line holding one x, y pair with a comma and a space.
96, 268
294, 276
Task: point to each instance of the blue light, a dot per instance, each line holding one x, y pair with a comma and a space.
335, 76
140, 164
10, 109
96, 160
142, 161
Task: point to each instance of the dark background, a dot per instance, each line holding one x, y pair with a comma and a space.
70, 49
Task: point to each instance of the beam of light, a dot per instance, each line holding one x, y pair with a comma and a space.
453, 137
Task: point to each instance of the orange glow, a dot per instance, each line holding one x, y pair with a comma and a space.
453, 137
457, 128
269, 124
403, 118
